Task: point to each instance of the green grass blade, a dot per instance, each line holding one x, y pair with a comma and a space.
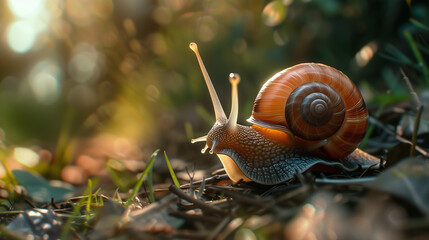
173, 175
189, 131
11, 181
395, 55
9, 175
88, 203
140, 181
371, 127
63, 153
423, 48
150, 186
421, 63
419, 24
76, 212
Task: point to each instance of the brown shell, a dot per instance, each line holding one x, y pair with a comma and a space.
337, 138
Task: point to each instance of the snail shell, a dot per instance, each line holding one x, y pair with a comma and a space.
318, 104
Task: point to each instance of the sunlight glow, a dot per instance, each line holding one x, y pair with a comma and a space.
26, 8
274, 13
304, 225
208, 28
44, 80
26, 156
365, 54
31, 18
21, 36
84, 66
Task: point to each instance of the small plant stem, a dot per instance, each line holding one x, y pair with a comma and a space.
173, 175
421, 63
88, 203
371, 128
63, 150
150, 186
140, 181
399, 138
418, 115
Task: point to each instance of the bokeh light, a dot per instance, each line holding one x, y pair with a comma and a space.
83, 66
365, 54
208, 28
26, 8
21, 36
31, 18
274, 13
45, 82
26, 156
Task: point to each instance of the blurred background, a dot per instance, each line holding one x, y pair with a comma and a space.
85, 84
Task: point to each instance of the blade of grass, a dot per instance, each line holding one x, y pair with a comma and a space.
63, 154
419, 24
100, 201
88, 193
118, 178
423, 48
371, 127
419, 109
88, 203
394, 54
11, 181
150, 186
9, 175
173, 175
76, 212
189, 131
421, 63
140, 181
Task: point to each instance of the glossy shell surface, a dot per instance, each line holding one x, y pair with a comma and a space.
318, 104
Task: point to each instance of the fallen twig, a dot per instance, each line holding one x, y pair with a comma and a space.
399, 138
201, 204
350, 181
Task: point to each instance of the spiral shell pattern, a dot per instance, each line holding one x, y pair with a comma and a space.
314, 111
316, 103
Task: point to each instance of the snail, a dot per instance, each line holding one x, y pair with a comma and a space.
304, 116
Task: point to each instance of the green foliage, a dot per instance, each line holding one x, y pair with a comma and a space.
421, 65
86, 202
171, 170
150, 186
121, 177
141, 178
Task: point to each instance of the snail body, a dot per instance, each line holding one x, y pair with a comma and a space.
306, 115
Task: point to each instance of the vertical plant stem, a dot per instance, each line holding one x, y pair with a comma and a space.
140, 181
88, 203
421, 63
418, 115
371, 127
150, 186
62, 154
173, 175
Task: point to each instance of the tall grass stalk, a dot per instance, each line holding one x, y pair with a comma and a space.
420, 61
142, 176
173, 175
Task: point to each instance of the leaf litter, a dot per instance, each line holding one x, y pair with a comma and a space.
390, 203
